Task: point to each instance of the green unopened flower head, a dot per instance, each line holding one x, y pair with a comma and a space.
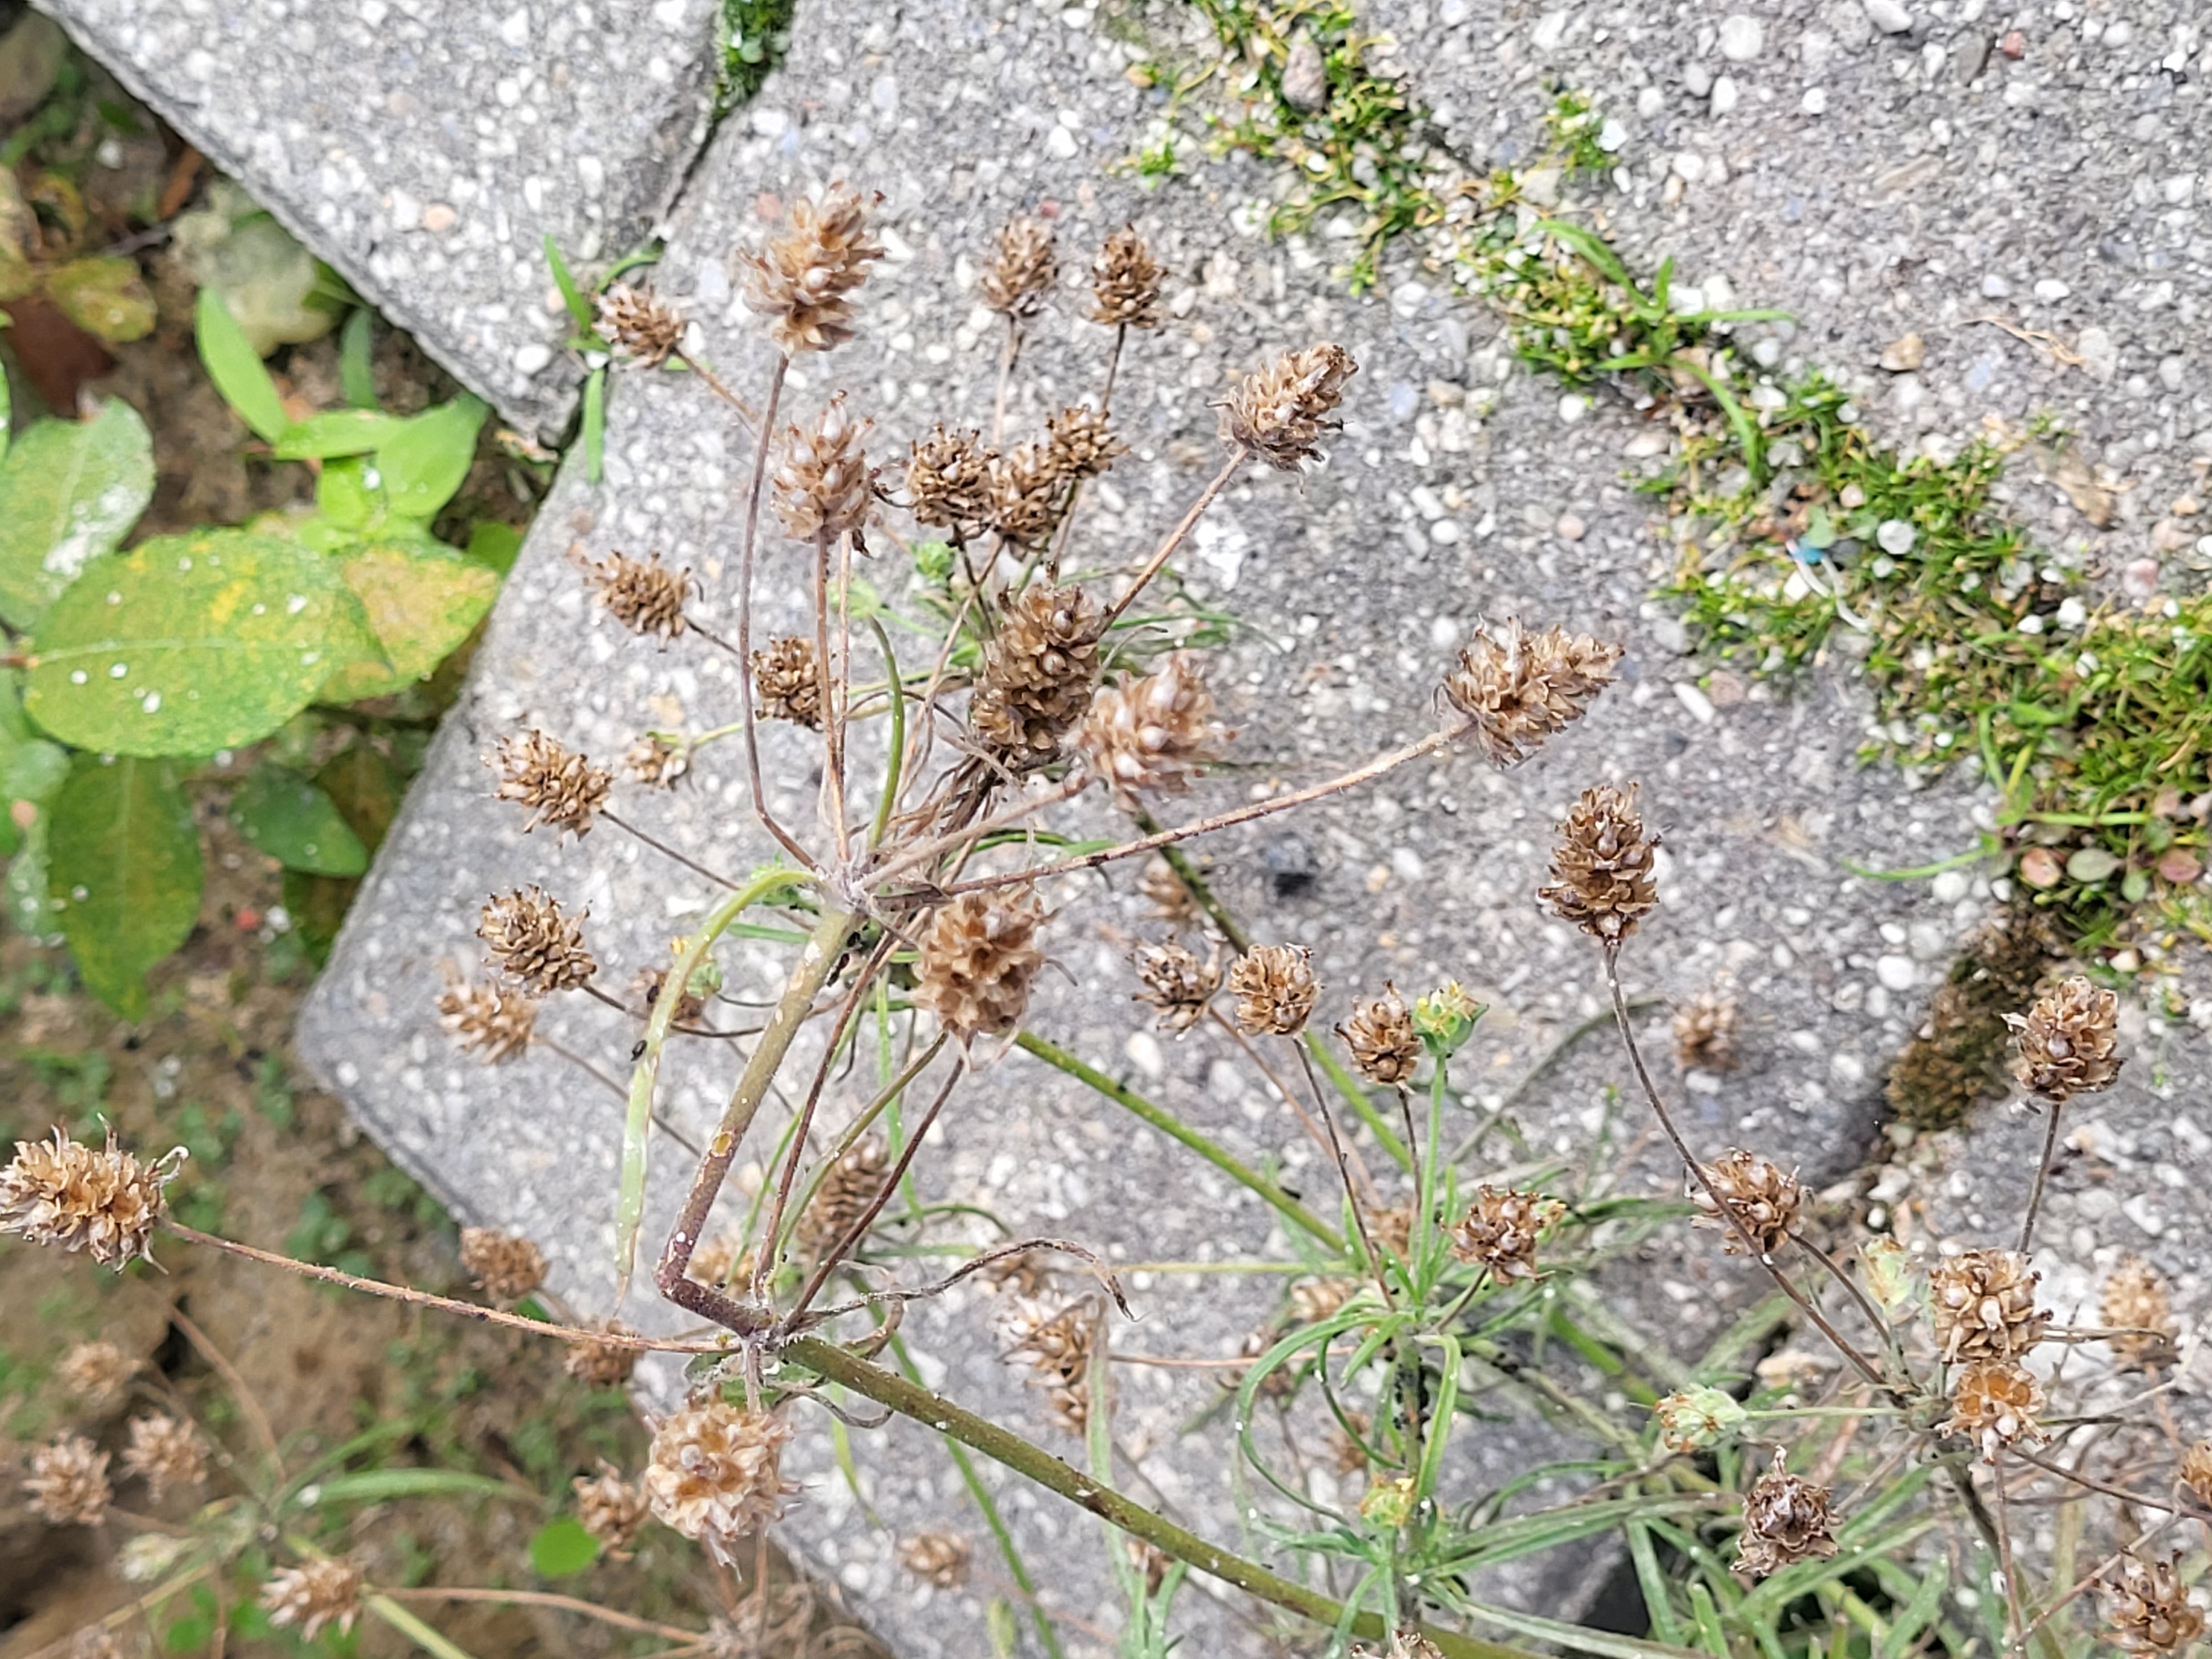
1695, 1419
1389, 1503
1445, 1017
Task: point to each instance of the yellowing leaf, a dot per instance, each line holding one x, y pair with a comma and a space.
421, 599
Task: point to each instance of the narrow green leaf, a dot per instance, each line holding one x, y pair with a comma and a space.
124, 872
70, 491
421, 598
357, 364
337, 432
417, 1630
579, 309
236, 368
346, 497
595, 422
562, 1548
190, 644
424, 462
297, 824
378, 1485
494, 544
7, 415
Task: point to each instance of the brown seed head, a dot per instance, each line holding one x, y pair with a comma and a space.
1278, 412
821, 487
847, 1190
1517, 688
2148, 1607
1995, 1402
68, 1485
312, 1595
1040, 669
1983, 1305
1176, 983
641, 323
2066, 1041
100, 1200
1501, 1229
1785, 1519
2135, 1304
1057, 1348
977, 962
1705, 1032
560, 787
947, 480
1762, 1197
95, 1374
786, 675
1021, 268
165, 1452
1079, 443
656, 763
507, 1265
609, 1508
1024, 493
1313, 1300
2197, 1470
602, 1364
1148, 733
721, 1260
644, 595
531, 943
1164, 890
716, 1474
1124, 282
1601, 867
1384, 1045
800, 281
1275, 989
941, 1558
487, 1020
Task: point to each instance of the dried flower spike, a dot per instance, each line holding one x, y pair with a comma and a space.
1705, 1032
1057, 1348
1021, 267
1762, 1199
947, 476
641, 323
1983, 1305
100, 1200
1785, 1520
1176, 983
165, 1452
656, 763
1023, 492
533, 944
1384, 1045
1501, 1229
1149, 733
821, 487
2148, 1607
1602, 868
95, 1374
644, 595
1278, 412
507, 1265
851, 1186
2197, 1470
1994, 1403
68, 1485
977, 962
940, 1559
1124, 282
609, 1508
487, 1020
1517, 689
2136, 1306
312, 1595
1040, 669
800, 281
1275, 989
559, 787
2066, 1041
716, 1472
602, 1364
1079, 443
787, 676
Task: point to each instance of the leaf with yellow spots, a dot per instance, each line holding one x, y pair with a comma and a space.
421, 598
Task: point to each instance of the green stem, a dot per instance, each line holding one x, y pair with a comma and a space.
424, 1635
1174, 1128
898, 758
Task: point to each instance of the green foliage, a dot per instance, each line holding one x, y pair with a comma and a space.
421, 599
755, 34
423, 462
1571, 126
70, 491
235, 366
294, 822
124, 871
106, 297
31, 769
562, 1548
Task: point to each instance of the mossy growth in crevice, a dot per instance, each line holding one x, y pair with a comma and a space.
753, 35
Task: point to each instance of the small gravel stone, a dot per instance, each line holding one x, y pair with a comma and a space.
1573, 407
1726, 95
532, 358
1896, 973
1742, 38
1896, 537
1904, 355
1816, 100
1699, 705
1888, 16
2051, 289
1572, 528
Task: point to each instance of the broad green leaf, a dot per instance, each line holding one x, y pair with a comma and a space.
70, 491
425, 461
236, 368
421, 599
495, 544
366, 788
337, 432
297, 824
108, 298
124, 871
357, 358
30, 769
562, 1548
346, 495
189, 644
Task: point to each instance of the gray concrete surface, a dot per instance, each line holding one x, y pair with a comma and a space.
427, 151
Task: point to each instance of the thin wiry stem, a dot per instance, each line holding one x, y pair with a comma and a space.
1214, 486
1009, 349
2042, 1173
743, 652
668, 852
543, 1599
750, 415
256, 1419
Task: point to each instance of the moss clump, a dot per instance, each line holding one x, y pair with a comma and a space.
1956, 1061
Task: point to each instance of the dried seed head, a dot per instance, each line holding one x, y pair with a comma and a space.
1346, 1455
645, 988
715, 1474
1024, 491
2135, 1304
656, 763
1313, 1300
1171, 900
95, 1374
2197, 1470
786, 674
2066, 1041
68, 1483
1079, 442
1057, 1350
771, 1618
1785, 1520
312, 1595
820, 488
947, 480
560, 787
721, 1260
641, 323
100, 1200
602, 1364
609, 1508
507, 1265
2148, 1607
800, 281
1384, 1045
1705, 1032
1124, 282
1983, 1305
1176, 983
531, 943
936, 1558
846, 1193
1501, 1228
1275, 989
977, 962
644, 595
1517, 689
1393, 1229
1040, 669
1026, 1274
165, 1452
1148, 733
1278, 412
1602, 868
1021, 268
1996, 1403
486, 1019
1692, 1420
1762, 1197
